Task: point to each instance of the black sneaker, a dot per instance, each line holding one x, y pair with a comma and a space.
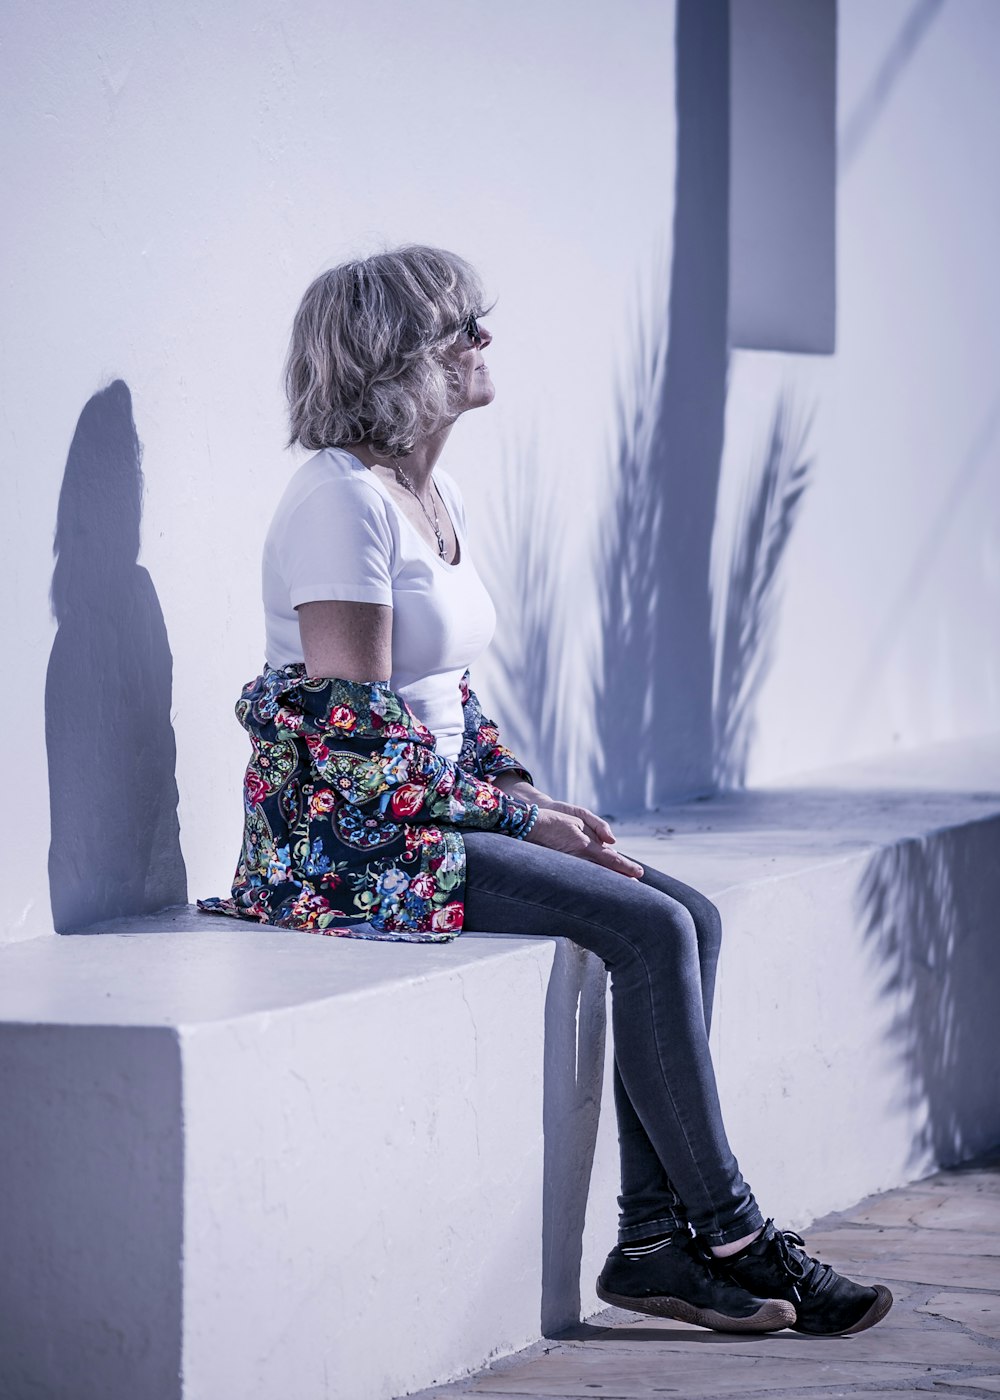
679, 1281
826, 1303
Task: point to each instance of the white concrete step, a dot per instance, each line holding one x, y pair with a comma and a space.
244, 1164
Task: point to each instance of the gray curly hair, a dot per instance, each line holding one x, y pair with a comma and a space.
367, 362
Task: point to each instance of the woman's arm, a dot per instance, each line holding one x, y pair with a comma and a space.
565, 826
352, 641
350, 644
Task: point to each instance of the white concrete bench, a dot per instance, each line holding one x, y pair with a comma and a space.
244, 1164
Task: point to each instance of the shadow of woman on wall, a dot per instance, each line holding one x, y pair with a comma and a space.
115, 842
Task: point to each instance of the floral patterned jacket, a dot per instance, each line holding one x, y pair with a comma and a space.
352, 820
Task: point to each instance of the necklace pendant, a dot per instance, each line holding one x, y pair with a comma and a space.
433, 520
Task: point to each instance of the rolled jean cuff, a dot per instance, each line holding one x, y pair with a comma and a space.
665, 1225
749, 1220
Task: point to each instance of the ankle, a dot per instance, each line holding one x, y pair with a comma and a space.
723, 1251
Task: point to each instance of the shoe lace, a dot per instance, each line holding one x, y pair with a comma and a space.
809, 1274
714, 1265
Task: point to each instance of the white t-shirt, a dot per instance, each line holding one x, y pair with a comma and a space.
337, 533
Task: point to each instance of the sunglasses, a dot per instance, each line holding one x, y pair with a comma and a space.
470, 327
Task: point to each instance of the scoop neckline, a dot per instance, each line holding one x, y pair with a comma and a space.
380, 487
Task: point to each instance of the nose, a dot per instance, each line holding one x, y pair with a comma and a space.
485, 335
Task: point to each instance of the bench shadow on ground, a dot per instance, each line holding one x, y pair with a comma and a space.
589, 1332
575, 1035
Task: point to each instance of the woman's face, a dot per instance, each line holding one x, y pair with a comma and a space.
466, 355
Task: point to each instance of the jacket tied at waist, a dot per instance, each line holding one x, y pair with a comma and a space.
352, 819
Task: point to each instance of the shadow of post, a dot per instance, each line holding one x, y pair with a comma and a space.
115, 837
654, 699
575, 1030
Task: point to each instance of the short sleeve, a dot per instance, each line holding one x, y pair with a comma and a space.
336, 544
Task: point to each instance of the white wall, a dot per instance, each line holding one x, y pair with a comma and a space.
174, 178
888, 633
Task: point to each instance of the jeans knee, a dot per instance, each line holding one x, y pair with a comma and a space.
708, 921
669, 937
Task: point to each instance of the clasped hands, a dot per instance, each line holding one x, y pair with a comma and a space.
564, 826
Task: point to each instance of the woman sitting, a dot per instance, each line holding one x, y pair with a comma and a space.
380, 803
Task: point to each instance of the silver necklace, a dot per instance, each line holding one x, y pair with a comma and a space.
434, 521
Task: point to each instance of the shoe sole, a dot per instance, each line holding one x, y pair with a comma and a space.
878, 1310
771, 1317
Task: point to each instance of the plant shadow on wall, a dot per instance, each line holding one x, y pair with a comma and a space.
862, 120
629, 695
115, 843
532, 658
928, 908
769, 506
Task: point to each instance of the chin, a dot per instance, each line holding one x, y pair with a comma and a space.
487, 393
479, 394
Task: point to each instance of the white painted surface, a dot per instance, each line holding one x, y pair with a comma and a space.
388, 1152
386, 1131
887, 633
173, 182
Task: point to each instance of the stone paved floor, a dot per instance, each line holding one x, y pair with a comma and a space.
936, 1244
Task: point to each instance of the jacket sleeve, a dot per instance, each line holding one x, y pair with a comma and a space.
482, 752
367, 743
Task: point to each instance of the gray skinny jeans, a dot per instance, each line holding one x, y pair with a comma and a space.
659, 939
